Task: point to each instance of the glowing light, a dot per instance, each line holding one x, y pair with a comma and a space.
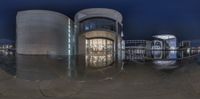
188, 50
165, 63
99, 52
165, 36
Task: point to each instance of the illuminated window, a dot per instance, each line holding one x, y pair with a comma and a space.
99, 52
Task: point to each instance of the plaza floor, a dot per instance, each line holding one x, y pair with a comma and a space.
133, 81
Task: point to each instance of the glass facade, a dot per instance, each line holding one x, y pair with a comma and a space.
97, 23
120, 28
157, 47
70, 38
99, 52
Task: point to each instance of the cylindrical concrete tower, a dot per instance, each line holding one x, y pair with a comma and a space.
42, 32
100, 34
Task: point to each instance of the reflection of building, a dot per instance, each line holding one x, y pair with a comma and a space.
137, 49
44, 32
39, 67
7, 49
6, 46
99, 36
162, 50
6, 52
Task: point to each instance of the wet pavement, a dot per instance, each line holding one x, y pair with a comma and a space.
42, 77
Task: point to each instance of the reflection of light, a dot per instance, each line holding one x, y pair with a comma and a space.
11, 53
10, 46
164, 62
156, 53
6, 46
165, 65
6, 52
188, 50
198, 49
173, 48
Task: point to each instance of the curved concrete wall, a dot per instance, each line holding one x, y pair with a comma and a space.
99, 12
115, 35
92, 13
43, 32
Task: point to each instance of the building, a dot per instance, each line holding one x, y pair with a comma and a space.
99, 34
42, 32
94, 40
164, 49
137, 50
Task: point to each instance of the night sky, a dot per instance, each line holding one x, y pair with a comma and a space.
142, 18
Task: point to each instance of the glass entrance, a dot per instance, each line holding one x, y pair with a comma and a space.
99, 52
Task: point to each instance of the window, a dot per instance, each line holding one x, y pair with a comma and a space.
99, 52
120, 28
97, 23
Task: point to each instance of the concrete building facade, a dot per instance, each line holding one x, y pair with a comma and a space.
42, 32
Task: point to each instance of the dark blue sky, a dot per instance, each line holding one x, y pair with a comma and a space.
142, 18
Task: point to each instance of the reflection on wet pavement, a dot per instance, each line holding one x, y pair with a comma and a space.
42, 76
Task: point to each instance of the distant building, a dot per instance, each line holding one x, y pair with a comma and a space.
185, 44
164, 47
7, 47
